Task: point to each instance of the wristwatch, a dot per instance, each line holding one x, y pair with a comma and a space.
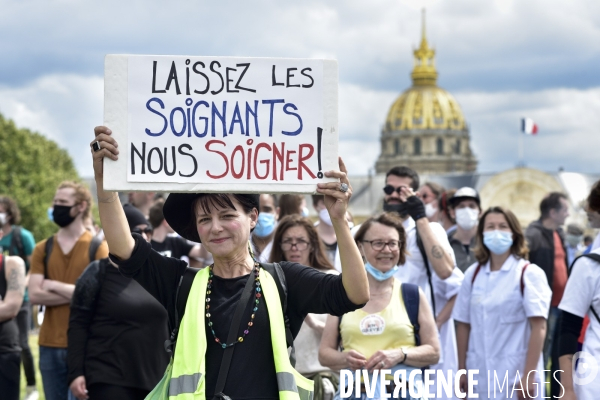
404, 353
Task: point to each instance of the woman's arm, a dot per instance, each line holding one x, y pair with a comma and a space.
534, 349
112, 216
428, 353
463, 331
354, 274
14, 273
330, 356
446, 312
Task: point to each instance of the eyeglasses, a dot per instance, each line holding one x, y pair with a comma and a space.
389, 189
378, 245
287, 245
147, 230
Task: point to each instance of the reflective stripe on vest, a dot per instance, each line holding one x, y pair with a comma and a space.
188, 376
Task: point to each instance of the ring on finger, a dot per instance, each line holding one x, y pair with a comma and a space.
382, 363
96, 146
344, 187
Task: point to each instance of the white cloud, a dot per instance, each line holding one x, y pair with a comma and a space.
504, 59
65, 108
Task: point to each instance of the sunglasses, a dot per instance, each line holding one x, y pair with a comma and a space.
147, 230
389, 189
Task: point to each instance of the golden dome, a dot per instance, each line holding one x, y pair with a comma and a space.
425, 105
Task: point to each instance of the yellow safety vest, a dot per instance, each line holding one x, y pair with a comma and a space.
189, 369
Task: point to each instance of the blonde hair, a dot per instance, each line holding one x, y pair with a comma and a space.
82, 193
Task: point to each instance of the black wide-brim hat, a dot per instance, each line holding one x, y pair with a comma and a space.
178, 212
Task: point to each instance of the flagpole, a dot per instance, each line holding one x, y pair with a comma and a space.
521, 160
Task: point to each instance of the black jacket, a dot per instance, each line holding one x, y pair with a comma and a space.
541, 247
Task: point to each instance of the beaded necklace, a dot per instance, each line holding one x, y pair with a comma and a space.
257, 296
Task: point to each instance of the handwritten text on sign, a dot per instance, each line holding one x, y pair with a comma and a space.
227, 120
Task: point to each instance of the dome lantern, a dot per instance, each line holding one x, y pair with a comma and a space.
424, 73
425, 128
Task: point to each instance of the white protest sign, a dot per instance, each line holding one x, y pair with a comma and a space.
220, 124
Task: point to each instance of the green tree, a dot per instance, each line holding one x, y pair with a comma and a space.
31, 168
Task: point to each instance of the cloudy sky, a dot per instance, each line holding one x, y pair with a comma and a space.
501, 59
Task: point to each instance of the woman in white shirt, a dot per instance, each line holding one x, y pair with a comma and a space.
501, 313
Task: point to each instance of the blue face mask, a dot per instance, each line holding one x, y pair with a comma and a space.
377, 274
498, 242
304, 212
265, 225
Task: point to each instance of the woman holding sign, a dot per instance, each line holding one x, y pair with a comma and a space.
239, 315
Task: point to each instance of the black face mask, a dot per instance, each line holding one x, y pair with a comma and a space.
400, 208
62, 215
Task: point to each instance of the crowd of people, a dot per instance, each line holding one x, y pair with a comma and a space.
243, 296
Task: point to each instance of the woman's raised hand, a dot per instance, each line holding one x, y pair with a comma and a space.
336, 198
103, 145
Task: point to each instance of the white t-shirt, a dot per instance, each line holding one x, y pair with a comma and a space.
307, 343
581, 293
596, 242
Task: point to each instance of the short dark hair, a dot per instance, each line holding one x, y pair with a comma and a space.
551, 202
390, 219
155, 215
206, 201
405, 172
12, 210
593, 199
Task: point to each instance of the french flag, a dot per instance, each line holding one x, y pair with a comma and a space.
528, 127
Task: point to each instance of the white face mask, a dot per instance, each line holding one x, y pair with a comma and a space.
324, 216
2, 219
467, 218
430, 210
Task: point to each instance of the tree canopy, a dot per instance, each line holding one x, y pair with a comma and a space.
31, 168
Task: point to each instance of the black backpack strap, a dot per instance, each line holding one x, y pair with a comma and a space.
48, 251
277, 273
16, 241
428, 270
410, 296
595, 257
181, 295
94, 245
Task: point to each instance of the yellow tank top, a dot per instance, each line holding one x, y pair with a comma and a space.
384, 330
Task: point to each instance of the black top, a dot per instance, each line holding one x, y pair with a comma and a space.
569, 330
9, 331
541, 248
173, 246
116, 330
252, 371
463, 253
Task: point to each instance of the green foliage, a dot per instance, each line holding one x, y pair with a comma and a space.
31, 168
